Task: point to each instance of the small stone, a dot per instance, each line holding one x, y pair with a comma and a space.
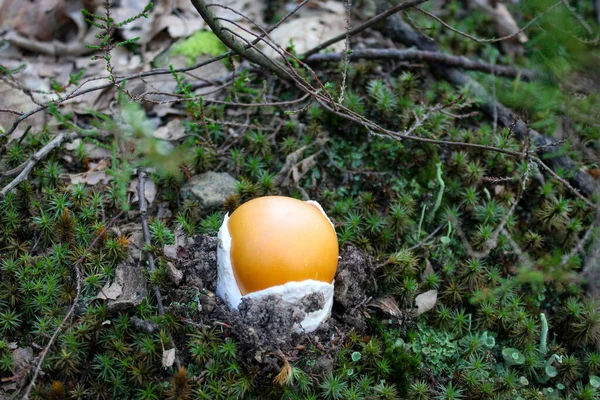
133, 287
136, 243
174, 274
170, 251
144, 325
211, 189
207, 302
21, 358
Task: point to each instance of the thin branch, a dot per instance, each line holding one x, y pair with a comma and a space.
425, 56
432, 234
396, 29
39, 155
8, 110
362, 27
120, 79
494, 40
347, 6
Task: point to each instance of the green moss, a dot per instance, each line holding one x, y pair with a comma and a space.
200, 43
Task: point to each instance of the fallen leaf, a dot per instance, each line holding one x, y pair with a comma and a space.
306, 33
90, 178
92, 151
40, 19
173, 130
168, 357
426, 301
293, 170
21, 359
428, 269
149, 190
388, 305
15, 99
110, 291
175, 275
311, 27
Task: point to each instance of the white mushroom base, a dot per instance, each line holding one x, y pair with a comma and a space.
290, 293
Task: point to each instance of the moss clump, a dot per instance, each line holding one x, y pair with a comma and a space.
200, 43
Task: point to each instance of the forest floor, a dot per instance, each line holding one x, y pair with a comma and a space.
453, 144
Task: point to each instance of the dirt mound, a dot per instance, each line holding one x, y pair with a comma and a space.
265, 325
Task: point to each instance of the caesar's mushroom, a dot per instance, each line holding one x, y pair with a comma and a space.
279, 246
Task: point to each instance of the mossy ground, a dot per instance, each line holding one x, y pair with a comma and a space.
485, 338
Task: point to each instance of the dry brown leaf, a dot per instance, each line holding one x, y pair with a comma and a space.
92, 152
388, 305
294, 169
90, 178
173, 130
428, 270
149, 190
110, 291
313, 26
41, 19
283, 375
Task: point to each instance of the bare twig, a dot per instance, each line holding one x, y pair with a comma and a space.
432, 234
397, 29
494, 40
426, 56
120, 79
364, 26
348, 6
8, 110
25, 169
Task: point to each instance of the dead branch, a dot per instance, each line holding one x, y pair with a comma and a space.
120, 79
493, 40
229, 39
364, 26
24, 169
425, 56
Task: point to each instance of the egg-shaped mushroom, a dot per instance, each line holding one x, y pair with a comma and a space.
276, 240
281, 246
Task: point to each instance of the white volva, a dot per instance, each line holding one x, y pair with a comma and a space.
291, 293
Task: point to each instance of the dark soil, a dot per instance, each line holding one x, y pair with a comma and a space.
265, 326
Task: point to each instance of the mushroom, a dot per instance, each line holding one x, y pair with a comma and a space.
281, 246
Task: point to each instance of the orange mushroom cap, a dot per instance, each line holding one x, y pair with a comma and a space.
275, 240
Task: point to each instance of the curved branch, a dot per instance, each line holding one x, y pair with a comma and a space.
238, 47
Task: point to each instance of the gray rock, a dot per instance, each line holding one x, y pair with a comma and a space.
21, 357
170, 251
174, 274
211, 189
128, 288
144, 325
